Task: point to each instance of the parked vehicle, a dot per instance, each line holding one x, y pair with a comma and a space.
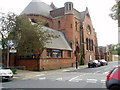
103, 62
5, 73
93, 63
113, 79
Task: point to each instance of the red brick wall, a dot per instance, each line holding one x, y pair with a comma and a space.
28, 64
45, 63
55, 63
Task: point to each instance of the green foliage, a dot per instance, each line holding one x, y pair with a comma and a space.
14, 71
28, 36
115, 49
115, 11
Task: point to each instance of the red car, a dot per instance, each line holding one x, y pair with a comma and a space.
113, 79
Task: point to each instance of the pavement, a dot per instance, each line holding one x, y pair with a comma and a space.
26, 74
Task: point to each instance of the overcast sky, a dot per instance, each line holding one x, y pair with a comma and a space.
106, 28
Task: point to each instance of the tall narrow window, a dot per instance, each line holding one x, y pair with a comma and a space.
87, 44
67, 7
59, 24
70, 7
76, 26
92, 45
71, 25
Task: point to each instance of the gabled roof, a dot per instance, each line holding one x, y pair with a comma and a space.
57, 43
37, 7
82, 16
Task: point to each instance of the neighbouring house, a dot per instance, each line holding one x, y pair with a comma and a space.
77, 41
104, 53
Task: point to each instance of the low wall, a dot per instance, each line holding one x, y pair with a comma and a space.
46, 64
28, 64
115, 57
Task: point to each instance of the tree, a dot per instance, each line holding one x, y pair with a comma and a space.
6, 22
115, 11
115, 50
29, 37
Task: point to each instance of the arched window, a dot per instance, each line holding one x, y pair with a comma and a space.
89, 29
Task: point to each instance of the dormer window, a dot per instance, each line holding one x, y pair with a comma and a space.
47, 25
89, 29
33, 20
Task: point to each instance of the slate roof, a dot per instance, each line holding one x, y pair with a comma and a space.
82, 16
57, 43
37, 7
57, 12
40, 8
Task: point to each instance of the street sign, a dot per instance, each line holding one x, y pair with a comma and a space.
13, 49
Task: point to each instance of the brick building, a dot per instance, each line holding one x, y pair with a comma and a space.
77, 41
104, 52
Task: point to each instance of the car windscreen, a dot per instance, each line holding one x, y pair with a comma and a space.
96, 61
4, 67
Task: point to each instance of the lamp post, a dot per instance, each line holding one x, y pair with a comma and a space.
8, 57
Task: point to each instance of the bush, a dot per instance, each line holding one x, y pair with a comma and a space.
14, 71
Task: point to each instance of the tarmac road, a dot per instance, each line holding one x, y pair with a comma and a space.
83, 77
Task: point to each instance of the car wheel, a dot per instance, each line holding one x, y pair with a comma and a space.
88, 66
115, 87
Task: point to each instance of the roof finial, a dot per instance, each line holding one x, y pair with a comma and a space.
52, 5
